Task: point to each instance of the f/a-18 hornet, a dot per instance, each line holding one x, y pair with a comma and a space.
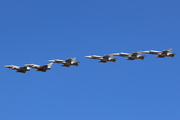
133, 56
19, 69
42, 68
66, 63
103, 59
161, 54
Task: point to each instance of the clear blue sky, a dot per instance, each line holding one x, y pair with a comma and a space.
35, 31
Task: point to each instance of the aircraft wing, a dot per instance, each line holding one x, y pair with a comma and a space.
44, 67
103, 61
124, 54
165, 51
22, 69
135, 53
160, 56
69, 60
130, 58
106, 56
42, 70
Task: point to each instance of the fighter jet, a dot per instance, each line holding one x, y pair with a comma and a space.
19, 69
42, 68
66, 63
103, 59
133, 56
161, 54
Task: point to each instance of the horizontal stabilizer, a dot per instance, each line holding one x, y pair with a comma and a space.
113, 60
20, 71
172, 55
76, 64
142, 57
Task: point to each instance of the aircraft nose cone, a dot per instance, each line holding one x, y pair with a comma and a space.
51, 61
87, 56
145, 52
28, 65
115, 54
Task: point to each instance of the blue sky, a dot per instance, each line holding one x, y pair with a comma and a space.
35, 31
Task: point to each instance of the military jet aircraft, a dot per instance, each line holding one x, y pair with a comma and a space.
19, 69
103, 59
66, 63
161, 54
42, 68
133, 56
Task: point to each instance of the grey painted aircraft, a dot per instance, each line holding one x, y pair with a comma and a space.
133, 56
103, 59
66, 63
42, 68
18, 69
161, 54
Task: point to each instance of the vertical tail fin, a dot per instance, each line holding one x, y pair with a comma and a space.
142, 57
140, 52
73, 60
111, 56
170, 50
50, 64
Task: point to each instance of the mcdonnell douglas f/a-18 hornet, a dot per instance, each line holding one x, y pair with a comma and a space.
161, 54
103, 59
133, 56
42, 68
19, 69
66, 63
